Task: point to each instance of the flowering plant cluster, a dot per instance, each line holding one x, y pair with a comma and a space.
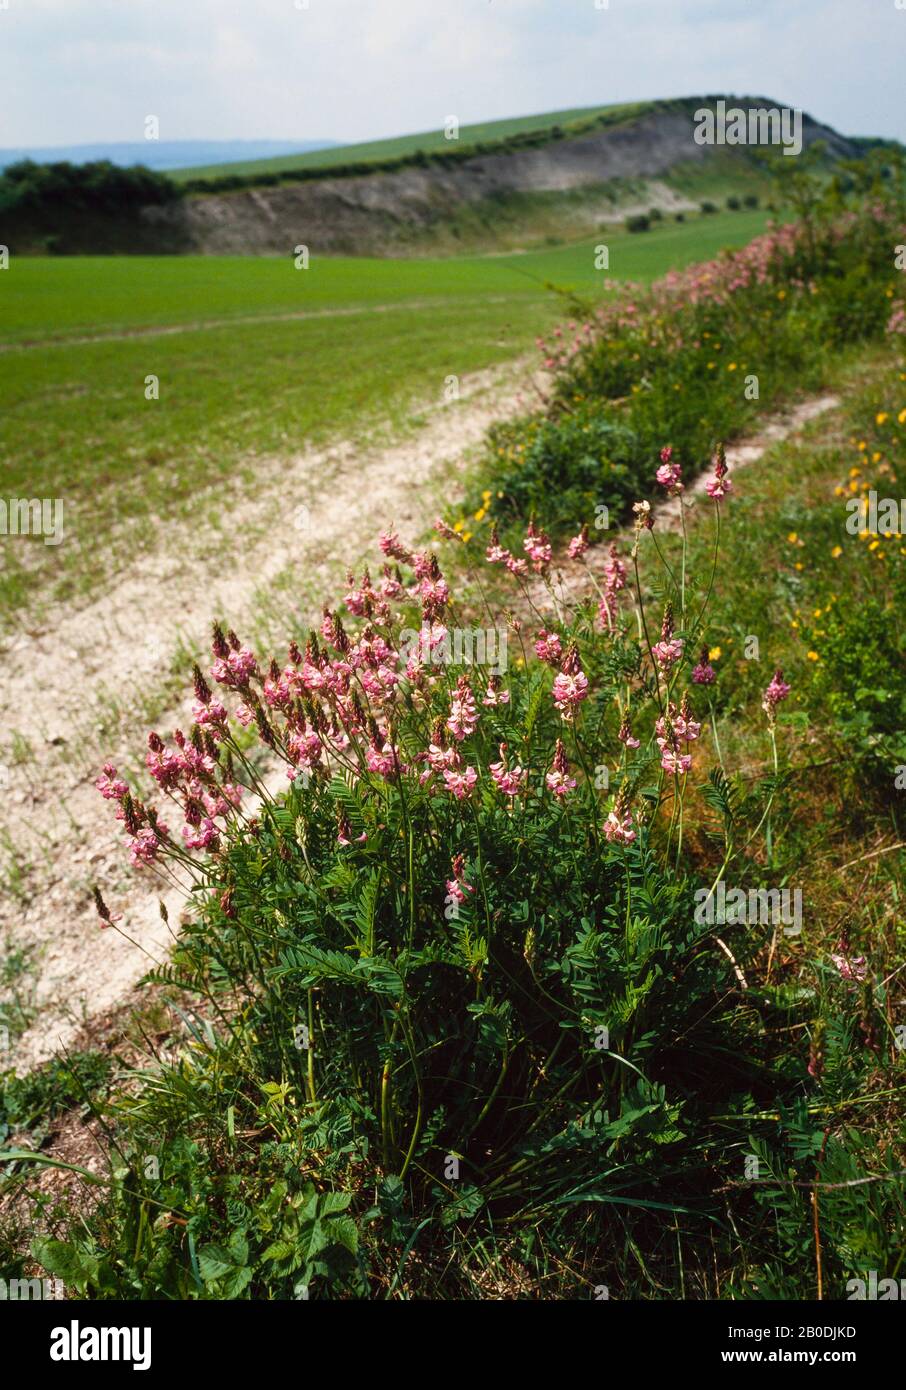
455, 891
356, 704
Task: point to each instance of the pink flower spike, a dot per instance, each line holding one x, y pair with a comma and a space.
111, 787
669, 475
703, 673
578, 545
777, 691
619, 828
457, 888
668, 653
549, 648
463, 713
558, 779
460, 783
720, 484
571, 685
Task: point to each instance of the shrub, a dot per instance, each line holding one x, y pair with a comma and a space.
564, 467
733, 203
41, 189
638, 222
708, 207
750, 200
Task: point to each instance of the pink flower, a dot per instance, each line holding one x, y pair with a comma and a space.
110, 785
494, 695
210, 715
510, 781
145, 845
460, 783
463, 713
720, 484
614, 581
380, 759
672, 729
206, 836
434, 591
393, 547
390, 585
538, 547
777, 691
669, 475
569, 692
578, 545
674, 762
668, 653
497, 554
618, 826
305, 750
677, 725
446, 531
625, 735
549, 648
558, 779
852, 968
703, 673
614, 571
457, 888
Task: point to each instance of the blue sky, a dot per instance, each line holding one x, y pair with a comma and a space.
73, 71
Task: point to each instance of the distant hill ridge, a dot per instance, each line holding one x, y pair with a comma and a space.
595, 168
504, 183
165, 155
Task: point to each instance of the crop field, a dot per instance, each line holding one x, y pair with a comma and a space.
340, 349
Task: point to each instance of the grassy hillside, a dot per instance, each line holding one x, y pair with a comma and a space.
429, 141
502, 186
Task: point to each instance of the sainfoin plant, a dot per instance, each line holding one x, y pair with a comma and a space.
451, 973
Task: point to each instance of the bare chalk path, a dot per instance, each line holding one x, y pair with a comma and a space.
79, 690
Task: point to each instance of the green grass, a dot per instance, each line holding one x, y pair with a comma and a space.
375, 151
244, 379
56, 298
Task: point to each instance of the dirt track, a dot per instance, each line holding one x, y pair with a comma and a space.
313, 515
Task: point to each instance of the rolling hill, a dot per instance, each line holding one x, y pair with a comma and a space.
514, 187
500, 186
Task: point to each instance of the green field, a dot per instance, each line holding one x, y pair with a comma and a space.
255, 359
48, 299
376, 151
